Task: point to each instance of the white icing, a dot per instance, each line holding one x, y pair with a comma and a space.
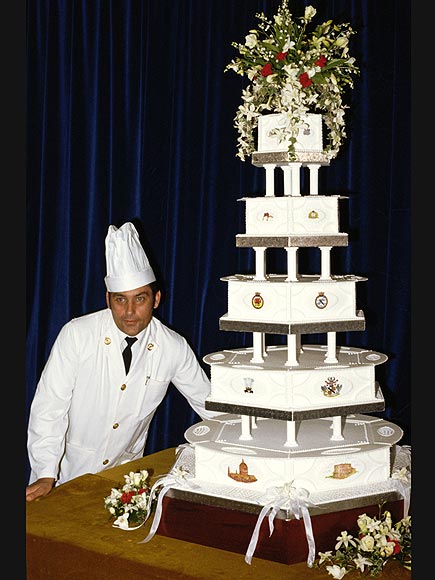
309, 137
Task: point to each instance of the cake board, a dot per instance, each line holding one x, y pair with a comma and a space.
230, 528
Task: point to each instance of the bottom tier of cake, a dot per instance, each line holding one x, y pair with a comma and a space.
315, 455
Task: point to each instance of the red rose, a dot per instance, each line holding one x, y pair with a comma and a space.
305, 80
397, 547
281, 55
321, 61
266, 70
126, 497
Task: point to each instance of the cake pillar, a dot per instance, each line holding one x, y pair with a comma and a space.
246, 428
337, 434
287, 179
270, 178
314, 178
331, 354
258, 342
292, 351
291, 435
296, 178
292, 264
299, 346
260, 263
325, 268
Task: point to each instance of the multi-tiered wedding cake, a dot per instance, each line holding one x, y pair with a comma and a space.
292, 435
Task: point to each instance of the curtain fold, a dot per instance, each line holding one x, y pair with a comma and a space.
130, 118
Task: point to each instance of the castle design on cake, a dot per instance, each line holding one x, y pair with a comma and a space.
294, 410
243, 474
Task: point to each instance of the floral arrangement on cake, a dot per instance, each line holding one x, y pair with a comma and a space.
131, 503
378, 541
294, 71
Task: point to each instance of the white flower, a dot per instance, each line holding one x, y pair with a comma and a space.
140, 501
367, 524
344, 539
180, 471
271, 79
310, 12
313, 70
404, 523
251, 74
342, 41
136, 479
323, 556
336, 571
367, 543
401, 475
288, 44
388, 549
122, 521
250, 40
361, 562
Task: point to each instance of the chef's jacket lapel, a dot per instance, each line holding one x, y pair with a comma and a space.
148, 348
112, 352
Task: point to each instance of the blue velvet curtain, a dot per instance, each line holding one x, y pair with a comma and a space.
130, 118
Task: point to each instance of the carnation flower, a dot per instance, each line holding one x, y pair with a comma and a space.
294, 71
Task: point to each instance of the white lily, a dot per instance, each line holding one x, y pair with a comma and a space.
337, 572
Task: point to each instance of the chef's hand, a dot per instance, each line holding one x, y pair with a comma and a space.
39, 488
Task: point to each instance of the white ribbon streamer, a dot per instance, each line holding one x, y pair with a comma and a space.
402, 477
292, 499
178, 477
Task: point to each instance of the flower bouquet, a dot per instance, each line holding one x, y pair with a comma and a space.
378, 541
293, 71
131, 504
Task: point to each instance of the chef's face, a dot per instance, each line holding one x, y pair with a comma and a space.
133, 310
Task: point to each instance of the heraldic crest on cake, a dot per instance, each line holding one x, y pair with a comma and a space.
293, 414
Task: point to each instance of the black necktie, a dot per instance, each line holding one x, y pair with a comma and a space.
126, 353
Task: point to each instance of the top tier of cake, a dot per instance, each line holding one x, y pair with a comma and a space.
309, 136
273, 145
272, 153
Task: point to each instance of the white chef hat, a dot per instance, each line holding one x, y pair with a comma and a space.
127, 264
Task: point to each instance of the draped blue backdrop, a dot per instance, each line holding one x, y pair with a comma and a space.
130, 118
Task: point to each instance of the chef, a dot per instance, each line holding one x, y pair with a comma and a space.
100, 387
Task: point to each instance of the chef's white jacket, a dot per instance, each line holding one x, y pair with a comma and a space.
87, 415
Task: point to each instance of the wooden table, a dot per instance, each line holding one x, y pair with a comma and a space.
70, 536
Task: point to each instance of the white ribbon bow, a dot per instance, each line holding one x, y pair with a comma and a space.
293, 499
